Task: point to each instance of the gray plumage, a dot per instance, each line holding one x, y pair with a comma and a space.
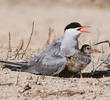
49, 62
53, 60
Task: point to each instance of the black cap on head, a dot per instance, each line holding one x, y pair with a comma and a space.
72, 25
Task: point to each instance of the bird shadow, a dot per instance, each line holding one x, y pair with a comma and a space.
96, 74
67, 74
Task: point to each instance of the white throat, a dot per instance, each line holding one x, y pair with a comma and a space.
70, 40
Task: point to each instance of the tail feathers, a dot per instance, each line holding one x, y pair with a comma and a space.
14, 66
13, 63
21, 66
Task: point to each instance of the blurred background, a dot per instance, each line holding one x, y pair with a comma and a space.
16, 17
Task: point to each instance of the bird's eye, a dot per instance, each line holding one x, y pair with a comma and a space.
88, 48
79, 29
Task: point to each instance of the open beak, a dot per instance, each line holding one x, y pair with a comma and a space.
80, 29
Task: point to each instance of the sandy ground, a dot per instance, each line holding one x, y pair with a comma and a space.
16, 17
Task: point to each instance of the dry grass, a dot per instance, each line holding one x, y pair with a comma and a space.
51, 38
19, 51
48, 41
48, 87
19, 48
24, 90
9, 43
29, 40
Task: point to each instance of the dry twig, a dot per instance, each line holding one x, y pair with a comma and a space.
49, 38
54, 36
9, 84
20, 47
17, 81
106, 59
29, 40
9, 43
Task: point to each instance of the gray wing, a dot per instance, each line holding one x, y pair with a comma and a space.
81, 59
50, 65
49, 62
84, 59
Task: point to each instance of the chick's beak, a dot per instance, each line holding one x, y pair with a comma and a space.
80, 29
95, 51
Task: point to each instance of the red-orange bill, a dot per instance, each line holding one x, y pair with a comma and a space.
83, 28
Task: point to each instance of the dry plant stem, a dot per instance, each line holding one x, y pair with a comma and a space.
17, 81
81, 76
9, 84
101, 63
7, 56
93, 65
54, 36
49, 37
29, 40
106, 41
20, 47
9, 43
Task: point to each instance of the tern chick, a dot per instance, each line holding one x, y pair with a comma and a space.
79, 61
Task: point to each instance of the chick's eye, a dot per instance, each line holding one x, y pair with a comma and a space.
88, 48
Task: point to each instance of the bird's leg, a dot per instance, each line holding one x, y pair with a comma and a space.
72, 75
58, 75
81, 74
